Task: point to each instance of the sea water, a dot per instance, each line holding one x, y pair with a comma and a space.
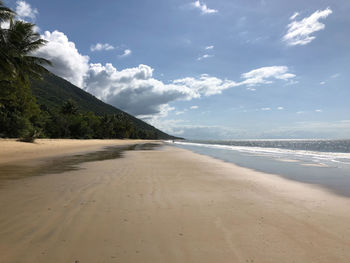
325, 163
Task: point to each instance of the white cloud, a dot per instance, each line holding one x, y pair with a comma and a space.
162, 113
294, 16
203, 8
300, 112
100, 46
209, 47
180, 112
205, 85
318, 110
280, 108
265, 109
205, 56
265, 75
24, 10
322, 82
164, 109
66, 60
194, 107
300, 32
127, 52
135, 90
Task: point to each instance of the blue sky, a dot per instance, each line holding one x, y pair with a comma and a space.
207, 69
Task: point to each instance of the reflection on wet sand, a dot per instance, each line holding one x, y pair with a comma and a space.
67, 163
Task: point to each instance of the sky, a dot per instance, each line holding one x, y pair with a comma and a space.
224, 69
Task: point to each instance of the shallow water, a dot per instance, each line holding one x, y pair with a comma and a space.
314, 168
62, 164
318, 145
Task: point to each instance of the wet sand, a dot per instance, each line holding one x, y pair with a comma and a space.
14, 151
170, 205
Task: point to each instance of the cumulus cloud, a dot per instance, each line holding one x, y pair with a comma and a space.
300, 32
209, 47
265, 109
318, 110
164, 109
194, 107
280, 108
24, 10
322, 82
66, 60
135, 90
204, 85
203, 8
100, 47
127, 52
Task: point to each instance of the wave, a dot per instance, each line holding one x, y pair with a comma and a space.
283, 154
294, 144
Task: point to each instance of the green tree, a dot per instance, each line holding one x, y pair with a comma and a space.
18, 43
18, 66
5, 15
69, 108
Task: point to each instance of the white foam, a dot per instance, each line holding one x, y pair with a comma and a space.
278, 153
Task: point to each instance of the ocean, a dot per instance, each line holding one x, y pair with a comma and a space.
325, 163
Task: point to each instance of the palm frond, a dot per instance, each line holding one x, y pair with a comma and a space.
5, 13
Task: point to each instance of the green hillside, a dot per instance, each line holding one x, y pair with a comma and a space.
52, 92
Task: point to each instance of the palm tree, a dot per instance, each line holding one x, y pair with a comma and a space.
19, 42
18, 66
17, 45
5, 13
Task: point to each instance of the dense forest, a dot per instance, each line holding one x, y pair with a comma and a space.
34, 103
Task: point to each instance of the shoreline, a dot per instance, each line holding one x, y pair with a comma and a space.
328, 170
170, 205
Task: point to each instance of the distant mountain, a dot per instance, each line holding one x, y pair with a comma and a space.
53, 92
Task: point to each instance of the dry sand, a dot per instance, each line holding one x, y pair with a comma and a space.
170, 205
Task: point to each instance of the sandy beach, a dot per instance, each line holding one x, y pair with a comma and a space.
163, 205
